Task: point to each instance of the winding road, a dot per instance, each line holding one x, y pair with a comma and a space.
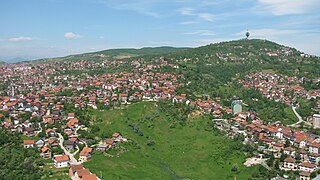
71, 155
298, 116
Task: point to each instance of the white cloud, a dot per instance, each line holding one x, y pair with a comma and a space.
286, 7
189, 22
21, 38
71, 35
206, 16
202, 33
203, 16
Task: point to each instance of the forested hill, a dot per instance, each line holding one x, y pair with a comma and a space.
115, 54
246, 50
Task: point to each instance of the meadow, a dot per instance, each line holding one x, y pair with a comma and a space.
160, 148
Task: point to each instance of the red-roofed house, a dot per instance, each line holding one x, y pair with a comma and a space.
28, 143
290, 164
61, 161
314, 148
74, 168
81, 172
85, 154
90, 177
45, 152
308, 167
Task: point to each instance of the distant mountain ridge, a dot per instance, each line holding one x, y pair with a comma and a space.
2, 62
113, 54
248, 50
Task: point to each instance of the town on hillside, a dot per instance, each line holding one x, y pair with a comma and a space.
43, 103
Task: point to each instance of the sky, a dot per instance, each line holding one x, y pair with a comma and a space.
32, 29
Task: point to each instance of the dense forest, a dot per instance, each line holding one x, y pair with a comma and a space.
17, 162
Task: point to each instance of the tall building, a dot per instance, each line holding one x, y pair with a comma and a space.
316, 121
236, 106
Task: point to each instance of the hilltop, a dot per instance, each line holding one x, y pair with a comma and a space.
245, 50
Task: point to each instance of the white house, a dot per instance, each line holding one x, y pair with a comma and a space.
314, 148
28, 143
308, 167
61, 161
290, 164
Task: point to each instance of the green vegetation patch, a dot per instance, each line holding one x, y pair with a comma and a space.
160, 148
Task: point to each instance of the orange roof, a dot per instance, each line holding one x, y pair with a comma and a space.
290, 159
61, 158
315, 144
85, 151
44, 149
308, 165
75, 168
89, 177
73, 139
83, 172
115, 134
27, 142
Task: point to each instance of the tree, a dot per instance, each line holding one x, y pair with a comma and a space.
270, 161
287, 143
277, 164
234, 168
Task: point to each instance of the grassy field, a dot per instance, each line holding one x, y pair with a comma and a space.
57, 173
165, 151
292, 118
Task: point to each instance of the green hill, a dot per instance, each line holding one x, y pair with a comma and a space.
160, 148
114, 54
244, 50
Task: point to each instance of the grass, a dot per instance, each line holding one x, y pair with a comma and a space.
190, 151
291, 117
57, 173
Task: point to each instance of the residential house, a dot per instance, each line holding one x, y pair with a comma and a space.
314, 148
81, 172
28, 143
53, 141
314, 158
89, 177
45, 152
289, 150
74, 168
61, 161
70, 115
69, 145
29, 131
304, 175
290, 164
308, 167
85, 154
110, 143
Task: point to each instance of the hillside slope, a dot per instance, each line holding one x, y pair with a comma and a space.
159, 147
244, 50
114, 54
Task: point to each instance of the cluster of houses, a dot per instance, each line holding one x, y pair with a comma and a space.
81, 173
301, 149
281, 53
277, 87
